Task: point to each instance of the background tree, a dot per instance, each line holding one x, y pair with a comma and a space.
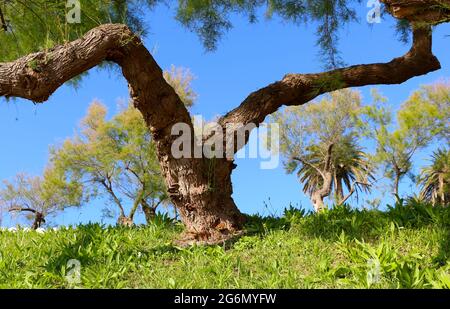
116, 159
210, 215
430, 106
435, 179
40, 196
320, 140
420, 119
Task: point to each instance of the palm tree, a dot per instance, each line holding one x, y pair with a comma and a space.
352, 169
435, 179
332, 168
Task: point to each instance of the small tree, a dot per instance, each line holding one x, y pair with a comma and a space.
422, 118
116, 159
40, 196
320, 141
435, 179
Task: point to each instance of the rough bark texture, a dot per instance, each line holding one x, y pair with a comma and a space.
317, 198
202, 197
432, 12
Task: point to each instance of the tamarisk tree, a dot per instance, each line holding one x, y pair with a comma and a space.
209, 213
114, 159
422, 118
40, 196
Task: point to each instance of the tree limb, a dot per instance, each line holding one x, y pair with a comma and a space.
20, 209
352, 190
37, 76
298, 89
3, 21
432, 12
329, 156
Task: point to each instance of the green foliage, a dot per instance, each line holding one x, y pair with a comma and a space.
211, 19
47, 194
41, 24
430, 107
115, 158
180, 79
339, 248
422, 118
435, 179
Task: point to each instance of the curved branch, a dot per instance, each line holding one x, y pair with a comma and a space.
352, 190
37, 76
20, 209
298, 89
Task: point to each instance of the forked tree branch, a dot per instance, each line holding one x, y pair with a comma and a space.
353, 190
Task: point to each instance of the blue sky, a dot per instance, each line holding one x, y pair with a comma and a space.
249, 57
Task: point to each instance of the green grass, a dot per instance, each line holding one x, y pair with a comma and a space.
405, 247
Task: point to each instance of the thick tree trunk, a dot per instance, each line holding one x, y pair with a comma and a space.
39, 219
317, 201
317, 198
202, 194
339, 191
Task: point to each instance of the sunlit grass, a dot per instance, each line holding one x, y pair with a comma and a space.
405, 247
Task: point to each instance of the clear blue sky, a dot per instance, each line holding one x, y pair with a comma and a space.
249, 57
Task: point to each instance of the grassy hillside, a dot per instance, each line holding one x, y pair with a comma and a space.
408, 246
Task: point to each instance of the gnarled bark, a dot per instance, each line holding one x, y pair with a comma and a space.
432, 12
202, 198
